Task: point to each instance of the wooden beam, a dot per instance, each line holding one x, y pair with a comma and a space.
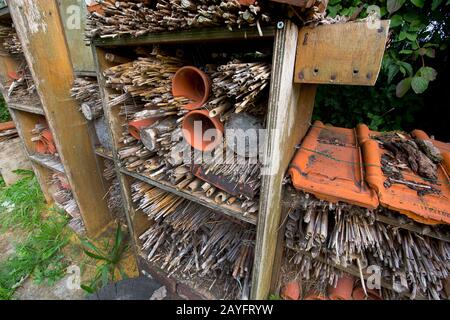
40, 30
73, 14
289, 117
343, 53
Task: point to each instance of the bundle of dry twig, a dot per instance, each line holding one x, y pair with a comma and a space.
11, 41
87, 92
137, 19
114, 195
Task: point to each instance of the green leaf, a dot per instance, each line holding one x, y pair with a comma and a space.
408, 67
406, 51
428, 73
418, 3
403, 87
419, 84
95, 256
435, 4
87, 289
105, 275
394, 5
402, 36
411, 36
430, 52
392, 72
396, 20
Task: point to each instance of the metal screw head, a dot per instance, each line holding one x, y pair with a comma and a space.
280, 25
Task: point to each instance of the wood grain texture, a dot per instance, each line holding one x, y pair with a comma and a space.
40, 30
347, 53
73, 15
289, 116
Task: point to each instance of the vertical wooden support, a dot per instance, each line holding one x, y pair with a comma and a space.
73, 15
40, 30
290, 111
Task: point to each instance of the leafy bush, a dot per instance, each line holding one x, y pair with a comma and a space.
414, 68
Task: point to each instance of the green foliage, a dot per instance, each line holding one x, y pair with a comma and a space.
274, 297
4, 113
22, 203
415, 59
108, 260
40, 255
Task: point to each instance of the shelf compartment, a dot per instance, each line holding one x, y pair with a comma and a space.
185, 36
230, 210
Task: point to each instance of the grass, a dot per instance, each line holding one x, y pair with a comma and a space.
108, 260
39, 255
22, 203
4, 113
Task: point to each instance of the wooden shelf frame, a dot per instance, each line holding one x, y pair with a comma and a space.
289, 115
43, 40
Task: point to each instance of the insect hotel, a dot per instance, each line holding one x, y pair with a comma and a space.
141, 119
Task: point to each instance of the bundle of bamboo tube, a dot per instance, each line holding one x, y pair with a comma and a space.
137, 19
87, 92
348, 234
244, 82
193, 239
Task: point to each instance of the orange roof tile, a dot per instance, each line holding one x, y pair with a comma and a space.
427, 209
329, 166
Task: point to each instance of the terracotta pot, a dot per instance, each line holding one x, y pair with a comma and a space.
316, 296
200, 120
135, 127
291, 291
358, 294
246, 2
96, 8
343, 290
7, 125
191, 83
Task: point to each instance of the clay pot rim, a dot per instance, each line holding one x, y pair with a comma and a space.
206, 81
135, 126
217, 125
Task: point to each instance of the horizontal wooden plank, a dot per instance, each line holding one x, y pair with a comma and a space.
230, 210
205, 34
414, 227
344, 53
81, 74
27, 108
48, 162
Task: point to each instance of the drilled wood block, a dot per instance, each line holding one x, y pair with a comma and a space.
347, 53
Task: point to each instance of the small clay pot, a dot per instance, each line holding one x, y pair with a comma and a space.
291, 291
204, 123
97, 7
193, 84
358, 294
343, 290
135, 127
7, 125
